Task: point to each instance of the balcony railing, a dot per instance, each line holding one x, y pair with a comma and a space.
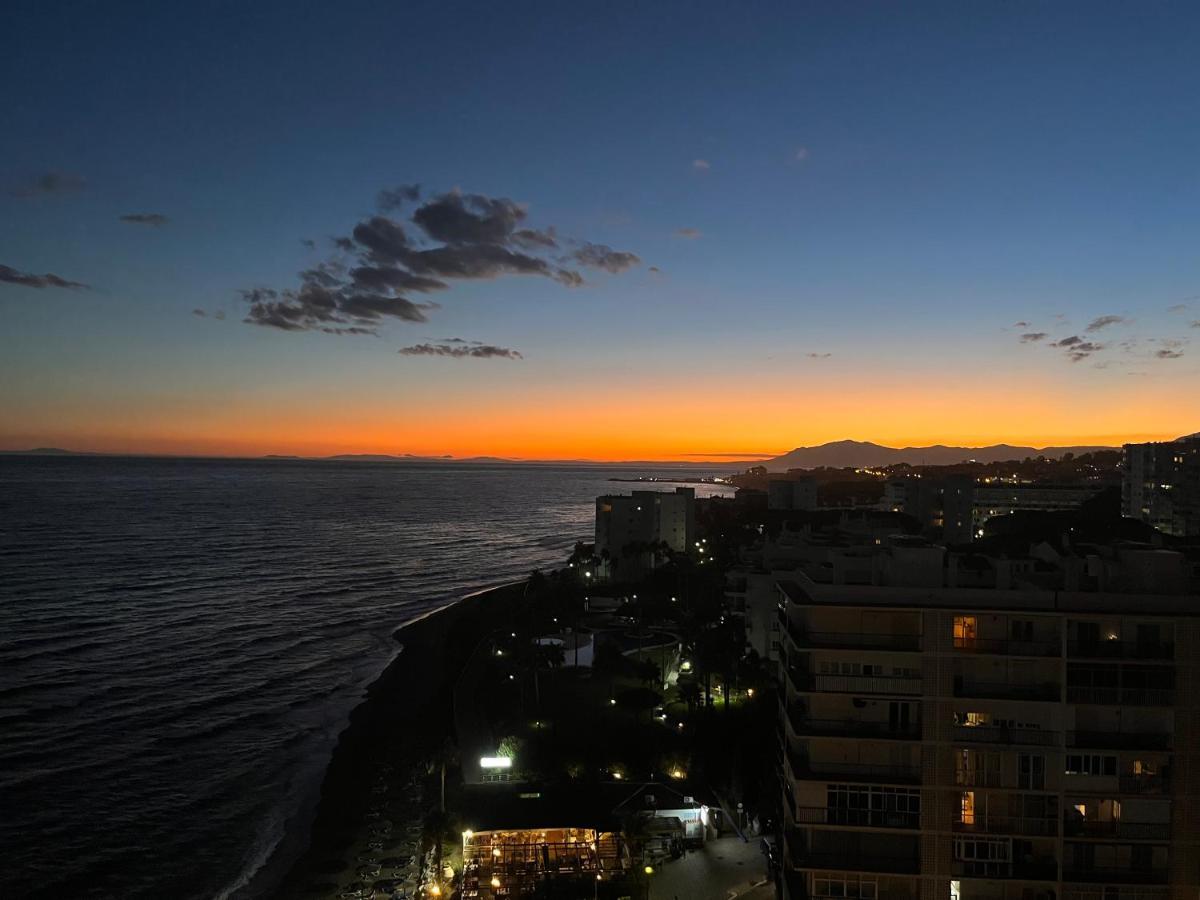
1008, 647
856, 861
1004, 690
852, 640
1023, 825
1144, 784
857, 818
1039, 870
995, 734
1119, 740
1133, 831
1095, 875
1121, 649
861, 773
855, 684
1115, 696
802, 725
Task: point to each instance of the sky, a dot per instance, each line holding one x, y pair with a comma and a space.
605, 231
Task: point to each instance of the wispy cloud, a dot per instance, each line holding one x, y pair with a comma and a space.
801, 154
1032, 337
1076, 348
1103, 322
690, 233
456, 348
818, 355
701, 165
1020, 324
9, 275
49, 183
391, 199
157, 220
204, 314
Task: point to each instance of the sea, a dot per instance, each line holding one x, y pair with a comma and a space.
182, 640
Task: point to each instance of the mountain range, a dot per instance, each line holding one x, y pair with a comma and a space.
858, 454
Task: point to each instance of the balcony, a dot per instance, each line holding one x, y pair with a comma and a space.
1119, 829
849, 640
1034, 870
1159, 783
803, 726
995, 734
1114, 696
1017, 825
855, 861
1095, 875
857, 818
1160, 650
859, 773
1047, 647
855, 684
1006, 690
1119, 740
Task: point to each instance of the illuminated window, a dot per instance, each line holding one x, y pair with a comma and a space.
966, 630
967, 808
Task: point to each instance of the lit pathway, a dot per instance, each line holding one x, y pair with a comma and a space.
726, 866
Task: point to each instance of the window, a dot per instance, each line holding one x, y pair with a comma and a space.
987, 857
966, 630
966, 811
1031, 771
972, 719
1021, 630
851, 886
857, 804
1090, 764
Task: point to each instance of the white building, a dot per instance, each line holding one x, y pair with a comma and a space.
632, 532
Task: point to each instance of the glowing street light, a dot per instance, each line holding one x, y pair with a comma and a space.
495, 882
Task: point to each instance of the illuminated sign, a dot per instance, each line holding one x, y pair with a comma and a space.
496, 762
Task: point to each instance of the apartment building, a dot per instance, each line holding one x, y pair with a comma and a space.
630, 530
976, 744
1161, 485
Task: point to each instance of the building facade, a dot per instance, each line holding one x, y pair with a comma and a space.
970, 744
633, 531
1161, 485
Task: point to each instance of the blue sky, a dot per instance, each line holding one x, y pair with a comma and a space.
893, 185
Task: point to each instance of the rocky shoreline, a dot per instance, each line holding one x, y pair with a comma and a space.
371, 803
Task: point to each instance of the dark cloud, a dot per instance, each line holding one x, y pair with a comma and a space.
391, 199
9, 275
1196, 324
309, 243
204, 314
1068, 341
1078, 349
1020, 325
690, 233
532, 239
1168, 353
156, 220
456, 348
49, 183
1103, 322
1032, 337
601, 256
469, 219
453, 236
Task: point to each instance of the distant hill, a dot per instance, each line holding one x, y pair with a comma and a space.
48, 451
840, 454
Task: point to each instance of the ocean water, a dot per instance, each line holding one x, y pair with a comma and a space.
182, 640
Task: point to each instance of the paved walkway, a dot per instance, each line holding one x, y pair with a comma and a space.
726, 867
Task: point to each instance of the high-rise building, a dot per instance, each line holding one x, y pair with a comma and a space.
977, 744
633, 531
1162, 485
